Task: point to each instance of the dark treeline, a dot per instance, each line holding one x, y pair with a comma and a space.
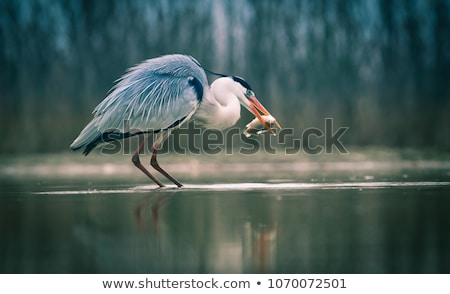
380, 67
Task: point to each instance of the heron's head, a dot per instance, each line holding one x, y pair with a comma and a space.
247, 98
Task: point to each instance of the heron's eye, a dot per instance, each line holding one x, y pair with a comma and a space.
249, 93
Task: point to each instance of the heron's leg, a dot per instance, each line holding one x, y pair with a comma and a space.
137, 162
154, 162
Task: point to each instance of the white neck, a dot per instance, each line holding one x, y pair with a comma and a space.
220, 108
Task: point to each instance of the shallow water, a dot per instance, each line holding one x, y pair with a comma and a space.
321, 220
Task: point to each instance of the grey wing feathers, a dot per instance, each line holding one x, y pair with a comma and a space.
155, 95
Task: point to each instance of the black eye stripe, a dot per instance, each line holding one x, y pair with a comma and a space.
241, 81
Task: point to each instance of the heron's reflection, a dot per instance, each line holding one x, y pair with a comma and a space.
155, 202
208, 243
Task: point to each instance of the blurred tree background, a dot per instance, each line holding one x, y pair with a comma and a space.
380, 67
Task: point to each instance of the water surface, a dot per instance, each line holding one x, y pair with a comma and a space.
391, 218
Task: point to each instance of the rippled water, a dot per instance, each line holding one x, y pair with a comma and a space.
389, 217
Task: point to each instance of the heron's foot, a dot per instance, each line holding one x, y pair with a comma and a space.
138, 164
155, 165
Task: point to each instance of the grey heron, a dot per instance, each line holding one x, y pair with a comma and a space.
159, 95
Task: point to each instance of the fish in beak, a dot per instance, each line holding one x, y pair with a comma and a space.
257, 108
255, 127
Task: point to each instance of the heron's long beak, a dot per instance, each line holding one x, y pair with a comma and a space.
256, 107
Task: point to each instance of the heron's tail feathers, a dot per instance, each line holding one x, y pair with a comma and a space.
89, 138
